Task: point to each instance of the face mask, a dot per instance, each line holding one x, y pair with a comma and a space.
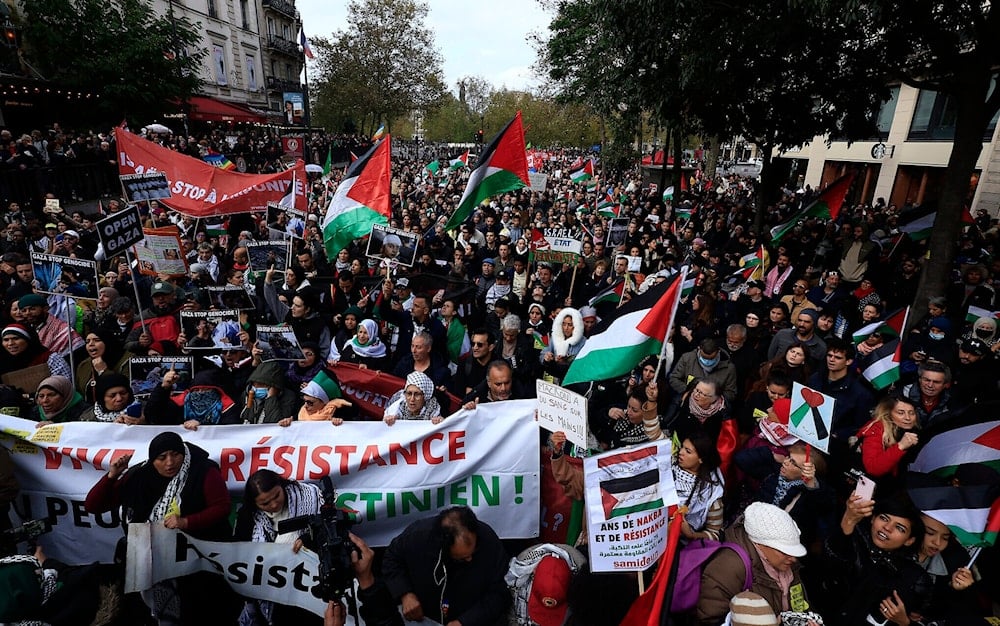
260, 393
984, 333
708, 364
936, 336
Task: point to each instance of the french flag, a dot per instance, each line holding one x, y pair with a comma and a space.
306, 50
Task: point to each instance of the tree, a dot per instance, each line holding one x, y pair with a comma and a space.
947, 46
380, 68
134, 60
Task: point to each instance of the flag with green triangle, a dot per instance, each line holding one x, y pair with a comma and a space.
503, 166
826, 206
459, 162
362, 199
583, 174
328, 165
433, 167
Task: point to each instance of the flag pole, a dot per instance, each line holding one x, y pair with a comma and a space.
670, 325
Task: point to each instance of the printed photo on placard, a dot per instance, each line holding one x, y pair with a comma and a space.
64, 276
230, 297
145, 187
160, 252
267, 254
617, 232
147, 372
211, 330
278, 343
392, 244
285, 220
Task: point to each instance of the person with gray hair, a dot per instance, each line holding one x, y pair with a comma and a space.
518, 350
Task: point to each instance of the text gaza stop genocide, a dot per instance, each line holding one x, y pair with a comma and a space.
297, 462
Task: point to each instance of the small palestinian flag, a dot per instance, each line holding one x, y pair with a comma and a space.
541, 340
613, 294
827, 206
608, 207
433, 167
459, 162
975, 313
583, 174
891, 326
631, 493
971, 512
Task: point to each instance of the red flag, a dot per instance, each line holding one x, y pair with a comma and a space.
646, 609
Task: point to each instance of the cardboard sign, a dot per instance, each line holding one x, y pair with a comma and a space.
61, 275
145, 187
555, 245
392, 245
537, 181
279, 343
810, 416
120, 231
561, 409
146, 372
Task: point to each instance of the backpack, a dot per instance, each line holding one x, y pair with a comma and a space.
691, 562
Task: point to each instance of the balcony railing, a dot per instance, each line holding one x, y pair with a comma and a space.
281, 6
280, 84
283, 45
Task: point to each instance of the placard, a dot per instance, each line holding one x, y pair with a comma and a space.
392, 244
221, 329
627, 494
65, 276
146, 372
538, 181
159, 252
561, 409
279, 343
555, 245
617, 232
810, 416
267, 254
145, 187
230, 297
119, 231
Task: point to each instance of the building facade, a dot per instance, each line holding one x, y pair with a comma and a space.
905, 162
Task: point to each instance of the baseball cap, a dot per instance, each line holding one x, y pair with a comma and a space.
759, 284
503, 274
403, 283
975, 347
549, 591
161, 287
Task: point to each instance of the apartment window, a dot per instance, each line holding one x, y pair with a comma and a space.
288, 71
245, 13
270, 26
935, 115
285, 32
887, 112
212, 10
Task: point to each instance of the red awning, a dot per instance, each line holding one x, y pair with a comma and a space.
211, 110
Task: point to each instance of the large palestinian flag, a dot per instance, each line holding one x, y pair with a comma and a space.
826, 206
636, 330
361, 199
503, 166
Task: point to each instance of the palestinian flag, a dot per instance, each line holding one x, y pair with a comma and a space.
541, 341
971, 512
918, 223
607, 207
361, 199
755, 264
503, 166
637, 329
975, 313
944, 452
328, 165
690, 284
637, 490
583, 174
890, 326
459, 162
683, 212
884, 369
826, 206
648, 608
433, 167
614, 294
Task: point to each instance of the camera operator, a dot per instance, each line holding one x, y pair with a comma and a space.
375, 603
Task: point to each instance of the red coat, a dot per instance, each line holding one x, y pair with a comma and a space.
877, 459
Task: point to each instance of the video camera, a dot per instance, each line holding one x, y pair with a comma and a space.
328, 537
29, 531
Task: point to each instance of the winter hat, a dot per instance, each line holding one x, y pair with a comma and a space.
812, 313
940, 323
771, 526
587, 312
322, 386
32, 299
549, 591
16, 329
750, 609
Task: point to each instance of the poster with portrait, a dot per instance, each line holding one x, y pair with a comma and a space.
230, 297
279, 343
285, 220
294, 107
392, 244
267, 254
211, 330
61, 275
617, 232
145, 187
160, 252
146, 372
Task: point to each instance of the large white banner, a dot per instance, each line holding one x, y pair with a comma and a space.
487, 459
628, 493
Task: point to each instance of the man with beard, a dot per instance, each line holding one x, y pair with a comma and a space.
52, 331
159, 334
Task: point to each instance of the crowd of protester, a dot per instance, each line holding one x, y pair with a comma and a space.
476, 319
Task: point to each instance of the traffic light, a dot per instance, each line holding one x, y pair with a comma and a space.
9, 35
479, 136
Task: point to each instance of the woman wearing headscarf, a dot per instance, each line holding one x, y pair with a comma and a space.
179, 487
57, 402
366, 348
204, 403
269, 400
348, 328
566, 341
269, 498
321, 397
414, 402
105, 355
301, 313
22, 349
302, 371
114, 394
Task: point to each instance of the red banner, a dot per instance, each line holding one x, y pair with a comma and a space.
370, 390
200, 189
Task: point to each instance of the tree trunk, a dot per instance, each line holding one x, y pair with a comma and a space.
678, 160
763, 188
712, 157
970, 124
663, 170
